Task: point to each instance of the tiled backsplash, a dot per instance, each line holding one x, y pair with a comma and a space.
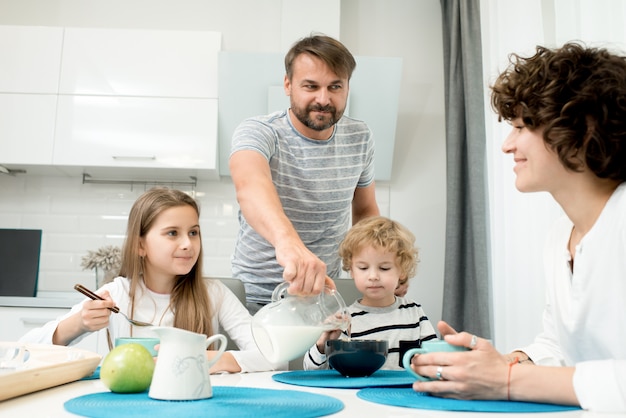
77, 217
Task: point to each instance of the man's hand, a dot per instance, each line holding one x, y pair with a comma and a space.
402, 289
305, 272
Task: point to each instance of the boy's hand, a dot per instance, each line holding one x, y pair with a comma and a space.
327, 335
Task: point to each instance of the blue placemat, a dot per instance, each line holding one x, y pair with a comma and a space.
94, 375
408, 398
333, 379
227, 401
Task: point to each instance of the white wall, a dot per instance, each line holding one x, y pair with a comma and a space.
77, 217
417, 191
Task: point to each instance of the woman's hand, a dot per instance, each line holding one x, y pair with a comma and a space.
480, 373
445, 329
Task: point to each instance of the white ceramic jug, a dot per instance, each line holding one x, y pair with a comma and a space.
290, 325
182, 367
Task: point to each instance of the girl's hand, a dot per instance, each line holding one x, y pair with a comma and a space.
95, 313
93, 316
226, 363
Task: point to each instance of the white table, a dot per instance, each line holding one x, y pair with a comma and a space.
49, 403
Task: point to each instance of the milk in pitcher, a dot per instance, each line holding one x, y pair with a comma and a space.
280, 343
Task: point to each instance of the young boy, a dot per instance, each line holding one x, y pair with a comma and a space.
380, 256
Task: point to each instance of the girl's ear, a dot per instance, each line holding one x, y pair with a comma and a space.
140, 250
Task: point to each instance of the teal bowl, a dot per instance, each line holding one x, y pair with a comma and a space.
356, 358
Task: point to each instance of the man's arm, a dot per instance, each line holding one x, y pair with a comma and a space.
261, 206
364, 203
257, 197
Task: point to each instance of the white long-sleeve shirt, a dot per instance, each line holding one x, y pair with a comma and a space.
584, 320
229, 316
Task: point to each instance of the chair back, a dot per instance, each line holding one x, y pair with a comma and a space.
235, 286
348, 291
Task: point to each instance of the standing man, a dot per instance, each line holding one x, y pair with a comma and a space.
300, 175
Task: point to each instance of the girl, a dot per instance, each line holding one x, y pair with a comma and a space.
380, 256
161, 283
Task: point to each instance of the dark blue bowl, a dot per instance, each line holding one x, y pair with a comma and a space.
356, 358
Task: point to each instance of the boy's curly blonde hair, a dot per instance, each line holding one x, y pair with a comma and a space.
383, 233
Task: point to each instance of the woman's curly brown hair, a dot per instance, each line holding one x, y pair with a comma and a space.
578, 96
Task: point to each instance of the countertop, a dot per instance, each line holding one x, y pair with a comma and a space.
43, 300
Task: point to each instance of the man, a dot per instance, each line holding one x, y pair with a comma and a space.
300, 176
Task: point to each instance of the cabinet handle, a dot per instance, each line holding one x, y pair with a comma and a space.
133, 158
35, 321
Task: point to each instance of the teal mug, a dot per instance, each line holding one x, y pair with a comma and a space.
147, 342
432, 346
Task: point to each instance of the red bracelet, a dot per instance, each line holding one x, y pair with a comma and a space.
508, 380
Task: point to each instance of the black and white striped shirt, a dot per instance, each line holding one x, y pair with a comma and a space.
404, 320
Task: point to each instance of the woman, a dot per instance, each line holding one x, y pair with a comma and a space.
567, 107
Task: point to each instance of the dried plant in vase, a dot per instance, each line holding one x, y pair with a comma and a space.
106, 262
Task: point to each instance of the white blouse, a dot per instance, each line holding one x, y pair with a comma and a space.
584, 320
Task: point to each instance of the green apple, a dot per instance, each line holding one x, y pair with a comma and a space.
128, 368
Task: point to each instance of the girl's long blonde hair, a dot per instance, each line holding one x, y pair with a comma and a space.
189, 299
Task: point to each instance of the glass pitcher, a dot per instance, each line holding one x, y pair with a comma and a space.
288, 326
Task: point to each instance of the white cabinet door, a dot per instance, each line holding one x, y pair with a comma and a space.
132, 62
16, 322
29, 79
31, 59
27, 128
106, 131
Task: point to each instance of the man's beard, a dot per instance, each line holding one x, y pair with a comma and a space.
316, 124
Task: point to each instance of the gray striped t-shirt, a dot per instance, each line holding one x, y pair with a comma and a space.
315, 181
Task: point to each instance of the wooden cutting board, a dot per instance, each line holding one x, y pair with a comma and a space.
47, 366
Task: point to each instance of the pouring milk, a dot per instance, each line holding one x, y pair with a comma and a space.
287, 327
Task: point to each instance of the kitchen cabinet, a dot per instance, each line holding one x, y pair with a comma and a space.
138, 99
84, 98
31, 58
17, 321
29, 80
112, 131
27, 128
133, 62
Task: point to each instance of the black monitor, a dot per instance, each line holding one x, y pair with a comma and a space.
19, 261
